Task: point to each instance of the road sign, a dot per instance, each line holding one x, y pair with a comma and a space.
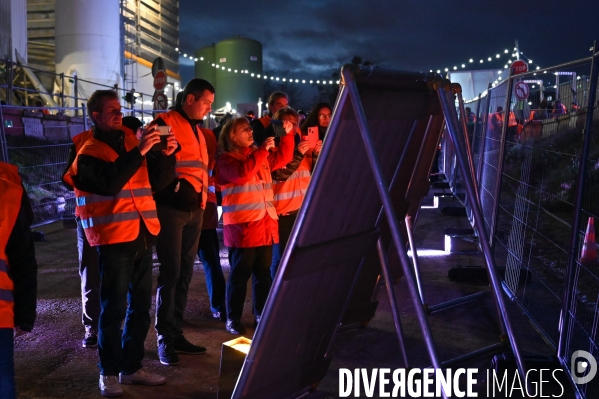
519, 67
521, 90
160, 101
160, 81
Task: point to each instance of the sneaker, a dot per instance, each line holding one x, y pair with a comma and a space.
235, 327
222, 316
167, 354
182, 345
109, 386
142, 377
90, 340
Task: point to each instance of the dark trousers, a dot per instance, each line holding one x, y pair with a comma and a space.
7, 367
209, 253
126, 275
246, 262
90, 280
176, 248
286, 223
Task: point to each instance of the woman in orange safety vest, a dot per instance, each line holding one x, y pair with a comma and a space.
250, 219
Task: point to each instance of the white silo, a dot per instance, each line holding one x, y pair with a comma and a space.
88, 43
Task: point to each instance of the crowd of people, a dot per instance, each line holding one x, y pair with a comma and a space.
138, 188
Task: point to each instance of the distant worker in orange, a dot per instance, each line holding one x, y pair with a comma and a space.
275, 102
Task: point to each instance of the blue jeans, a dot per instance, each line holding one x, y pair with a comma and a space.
7, 366
209, 253
176, 248
126, 274
90, 280
286, 223
246, 262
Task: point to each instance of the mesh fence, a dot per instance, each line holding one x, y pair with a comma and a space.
39, 145
527, 156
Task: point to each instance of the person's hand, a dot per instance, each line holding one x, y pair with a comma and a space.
288, 126
318, 147
171, 145
148, 139
303, 146
268, 143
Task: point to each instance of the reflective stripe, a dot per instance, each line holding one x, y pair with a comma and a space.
119, 217
95, 198
3, 266
244, 207
248, 188
6, 295
212, 189
289, 195
191, 164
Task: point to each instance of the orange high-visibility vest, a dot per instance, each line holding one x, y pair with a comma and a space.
289, 194
512, 120
265, 120
115, 219
79, 140
11, 192
192, 160
251, 201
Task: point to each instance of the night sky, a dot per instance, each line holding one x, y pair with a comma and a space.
313, 38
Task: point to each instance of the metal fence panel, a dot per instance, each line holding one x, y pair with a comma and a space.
39, 145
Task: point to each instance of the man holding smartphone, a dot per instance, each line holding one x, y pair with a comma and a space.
180, 209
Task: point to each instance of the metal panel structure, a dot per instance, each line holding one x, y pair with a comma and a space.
339, 225
335, 230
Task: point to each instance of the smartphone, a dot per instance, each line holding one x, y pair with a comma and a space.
312, 136
163, 132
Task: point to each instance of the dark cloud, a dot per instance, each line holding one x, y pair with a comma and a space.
313, 37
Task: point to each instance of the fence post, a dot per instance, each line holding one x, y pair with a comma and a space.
62, 89
76, 94
9, 78
580, 185
483, 126
3, 148
84, 117
504, 131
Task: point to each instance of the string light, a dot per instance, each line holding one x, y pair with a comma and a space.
324, 82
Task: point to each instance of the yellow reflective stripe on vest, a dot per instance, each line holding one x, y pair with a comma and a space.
119, 217
95, 198
289, 195
248, 188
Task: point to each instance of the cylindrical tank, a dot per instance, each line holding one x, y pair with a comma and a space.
238, 54
88, 42
203, 66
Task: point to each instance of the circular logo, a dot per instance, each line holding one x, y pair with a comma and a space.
587, 366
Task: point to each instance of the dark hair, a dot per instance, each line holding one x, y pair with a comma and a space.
196, 86
97, 100
224, 138
179, 98
250, 112
132, 123
275, 96
312, 119
285, 111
